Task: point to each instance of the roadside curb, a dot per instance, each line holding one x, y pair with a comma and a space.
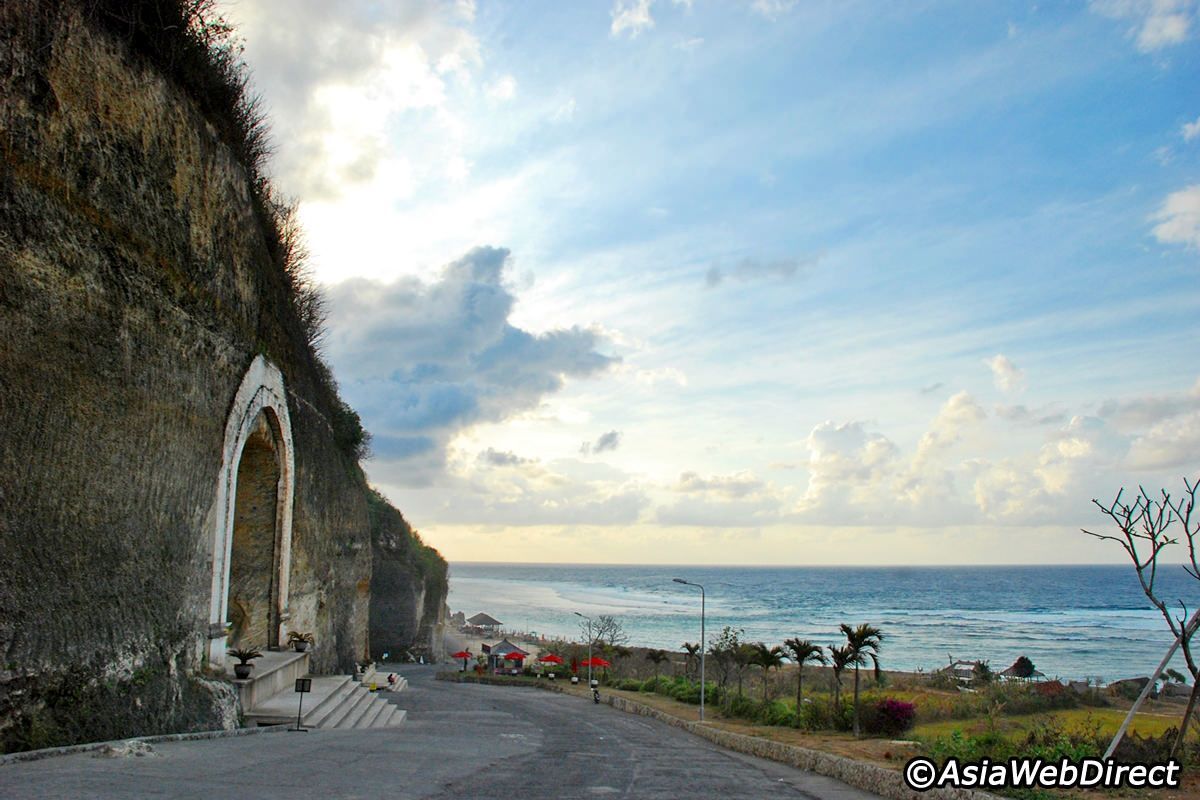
70, 750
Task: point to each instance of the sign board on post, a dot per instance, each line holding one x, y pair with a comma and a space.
303, 686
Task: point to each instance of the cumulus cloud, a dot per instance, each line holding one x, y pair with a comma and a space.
1005, 374
631, 16
525, 492
335, 81
1155, 23
722, 501
847, 465
721, 513
423, 361
606, 442
959, 414
1009, 489
750, 269
1179, 217
1171, 444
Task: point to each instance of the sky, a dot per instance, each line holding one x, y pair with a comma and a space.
768, 282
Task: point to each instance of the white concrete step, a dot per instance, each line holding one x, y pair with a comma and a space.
334, 702
352, 709
391, 718
325, 697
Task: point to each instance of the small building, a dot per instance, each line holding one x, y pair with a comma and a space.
961, 670
484, 623
1013, 674
498, 660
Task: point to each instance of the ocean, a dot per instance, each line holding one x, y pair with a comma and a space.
1071, 621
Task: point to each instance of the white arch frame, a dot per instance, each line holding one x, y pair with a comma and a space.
261, 388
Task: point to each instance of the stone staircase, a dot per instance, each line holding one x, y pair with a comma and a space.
268, 697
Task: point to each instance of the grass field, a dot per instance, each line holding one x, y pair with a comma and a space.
1102, 721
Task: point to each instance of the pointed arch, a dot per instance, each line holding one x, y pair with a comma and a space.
261, 394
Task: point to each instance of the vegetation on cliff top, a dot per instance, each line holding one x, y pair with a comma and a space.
388, 522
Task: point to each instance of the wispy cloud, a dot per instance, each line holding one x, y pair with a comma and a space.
750, 269
1156, 23
772, 9
1190, 130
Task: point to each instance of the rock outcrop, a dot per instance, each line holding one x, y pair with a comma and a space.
408, 587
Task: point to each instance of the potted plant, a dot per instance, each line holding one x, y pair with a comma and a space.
244, 657
299, 641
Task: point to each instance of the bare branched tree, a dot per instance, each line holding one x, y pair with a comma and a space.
1145, 527
605, 631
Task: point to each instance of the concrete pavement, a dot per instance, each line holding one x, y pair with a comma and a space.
460, 741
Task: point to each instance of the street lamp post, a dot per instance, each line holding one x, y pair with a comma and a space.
589, 619
702, 645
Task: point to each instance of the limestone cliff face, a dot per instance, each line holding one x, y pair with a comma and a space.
408, 587
138, 282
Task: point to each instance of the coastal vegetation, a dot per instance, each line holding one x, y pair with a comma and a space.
758, 689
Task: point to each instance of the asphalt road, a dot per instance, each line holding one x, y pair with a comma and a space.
459, 741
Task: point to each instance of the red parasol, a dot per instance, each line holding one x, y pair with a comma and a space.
594, 662
550, 659
462, 654
515, 656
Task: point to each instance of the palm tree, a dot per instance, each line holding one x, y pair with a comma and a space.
657, 657
800, 651
692, 652
839, 657
768, 659
743, 657
863, 643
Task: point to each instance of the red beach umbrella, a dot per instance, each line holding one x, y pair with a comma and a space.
515, 656
594, 662
462, 654
550, 659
